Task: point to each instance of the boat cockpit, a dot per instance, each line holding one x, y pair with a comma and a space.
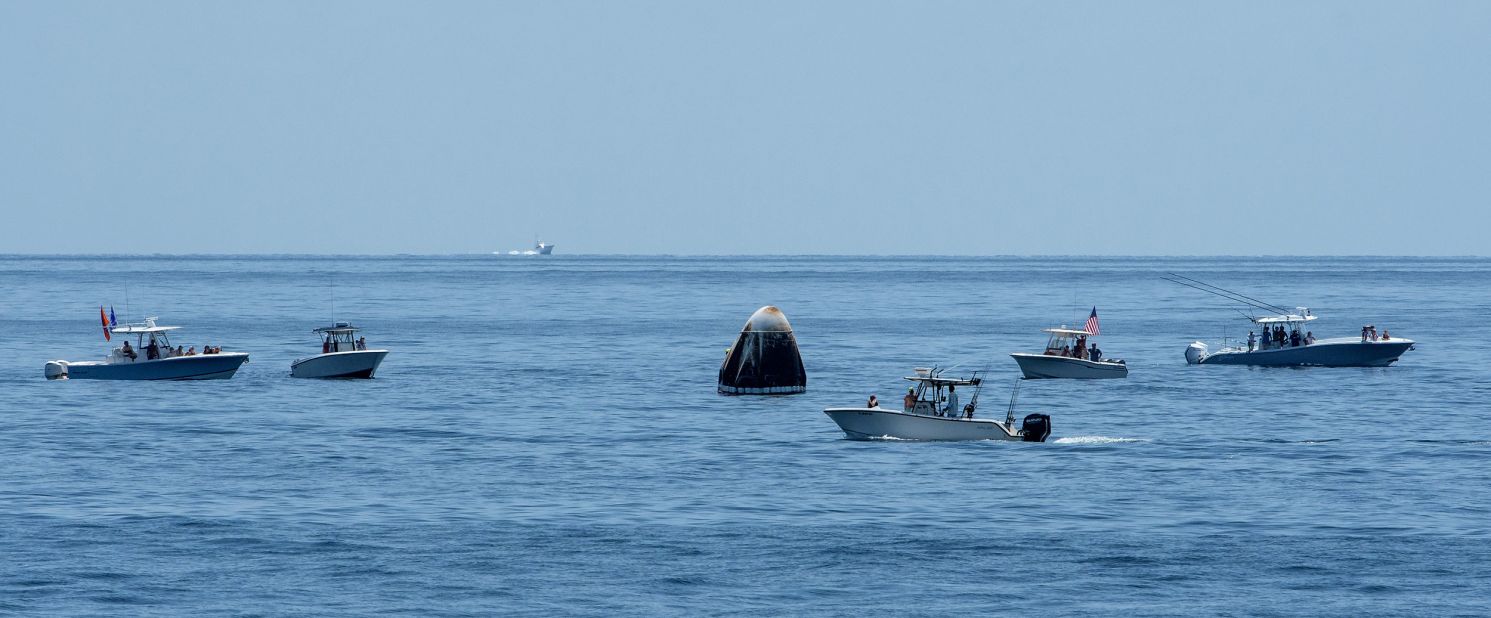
150, 342
341, 337
1282, 331
934, 395
1067, 342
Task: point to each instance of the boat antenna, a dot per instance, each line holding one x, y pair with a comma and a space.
333, 300
1224, 293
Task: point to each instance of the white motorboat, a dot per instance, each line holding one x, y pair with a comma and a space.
1067, 356
1284, 340
343, 355
931, 412
151, 358
539, 248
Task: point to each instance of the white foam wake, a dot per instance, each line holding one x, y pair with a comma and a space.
1085, 440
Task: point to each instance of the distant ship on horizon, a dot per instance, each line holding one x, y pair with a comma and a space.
539, 248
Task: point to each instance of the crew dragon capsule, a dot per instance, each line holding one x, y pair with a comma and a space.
764, 359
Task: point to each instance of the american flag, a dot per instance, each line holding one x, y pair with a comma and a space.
1092, 323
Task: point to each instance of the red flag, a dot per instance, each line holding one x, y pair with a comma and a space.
105, 317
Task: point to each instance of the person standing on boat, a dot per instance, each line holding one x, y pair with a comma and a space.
130, 352
952, 403
1095, 354
873, 402
910, 399
1250, 341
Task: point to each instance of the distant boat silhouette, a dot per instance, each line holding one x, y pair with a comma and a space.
539, 248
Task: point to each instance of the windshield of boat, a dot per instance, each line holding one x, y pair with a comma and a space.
159, 338
1061, 340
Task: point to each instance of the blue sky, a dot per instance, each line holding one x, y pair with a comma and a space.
760, 127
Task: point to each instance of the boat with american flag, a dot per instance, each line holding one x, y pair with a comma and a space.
1068, 355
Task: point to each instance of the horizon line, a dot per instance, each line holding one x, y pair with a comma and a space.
748, 255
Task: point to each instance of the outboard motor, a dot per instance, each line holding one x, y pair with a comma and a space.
1035, 428
1195, 352
55, 370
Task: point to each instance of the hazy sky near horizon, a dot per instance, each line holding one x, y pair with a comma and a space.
973, 127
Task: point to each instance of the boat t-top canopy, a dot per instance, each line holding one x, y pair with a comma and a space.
140, 328
940, 381
1284, 319
1067, 332
339, 327
146, 327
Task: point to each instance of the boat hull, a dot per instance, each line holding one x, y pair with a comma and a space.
1043, 366
880, 423
355, 364
198, 367
1341, 352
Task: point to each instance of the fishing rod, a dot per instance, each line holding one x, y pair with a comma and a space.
1224, 293
978, 386
1216, 293
1009, 416
1238, 294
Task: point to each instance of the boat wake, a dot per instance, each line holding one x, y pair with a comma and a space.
1089, 440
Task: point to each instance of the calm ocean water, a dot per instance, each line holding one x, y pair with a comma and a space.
545, 438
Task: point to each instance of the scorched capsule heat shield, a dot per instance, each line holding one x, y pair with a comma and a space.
764, 359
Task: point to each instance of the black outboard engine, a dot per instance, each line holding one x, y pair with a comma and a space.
1035, 428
